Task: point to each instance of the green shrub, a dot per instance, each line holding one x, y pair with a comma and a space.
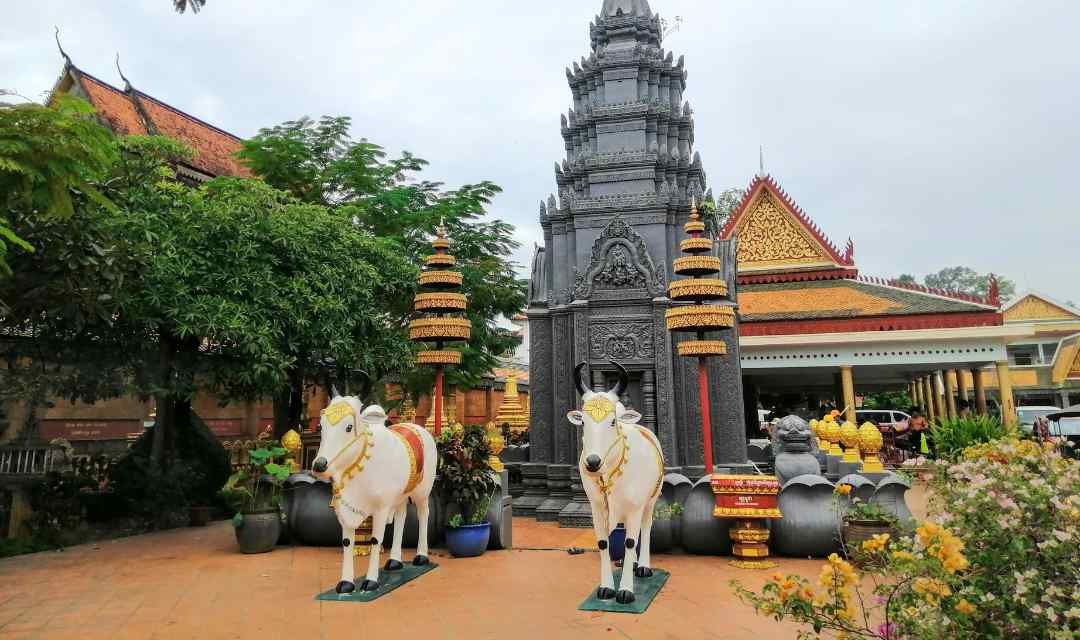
953, 435
465, 476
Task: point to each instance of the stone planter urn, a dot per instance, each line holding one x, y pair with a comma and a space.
856, 532
259, 531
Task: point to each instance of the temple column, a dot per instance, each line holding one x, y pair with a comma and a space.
648, 398
1064, 398
962, 385
950, 393
916, 388
1008, 405
928, 396
938, 387
980, 391
847, 381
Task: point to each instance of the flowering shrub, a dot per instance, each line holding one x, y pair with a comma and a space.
998, 562
1017, 505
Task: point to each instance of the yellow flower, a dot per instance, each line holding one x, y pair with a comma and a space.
876, 544
965, 607
843, 489
931, 589
902, 555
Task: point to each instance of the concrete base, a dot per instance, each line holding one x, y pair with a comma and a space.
577, 513
534, 476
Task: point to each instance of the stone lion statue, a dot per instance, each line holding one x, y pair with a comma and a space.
794, 446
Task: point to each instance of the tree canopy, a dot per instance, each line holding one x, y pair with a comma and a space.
318, 162
963, 280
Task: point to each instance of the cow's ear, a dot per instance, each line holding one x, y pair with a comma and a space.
575, 417
373, 415
629, 416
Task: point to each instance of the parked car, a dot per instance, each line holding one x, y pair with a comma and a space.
1069, 427
883, 417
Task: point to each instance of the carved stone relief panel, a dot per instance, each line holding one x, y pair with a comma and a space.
620, 260
622, 341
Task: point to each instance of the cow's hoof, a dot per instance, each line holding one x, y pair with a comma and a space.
421, 561
369, 585
394, 565
345, 587
624, 596
643, 572
605, 593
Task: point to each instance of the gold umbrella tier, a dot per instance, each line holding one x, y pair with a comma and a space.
700, 348
440, 302
696, 245
698, 290
695, 225
440, 243
702, 317
440, 279
431, 329
697, 265
440, 260
439, 357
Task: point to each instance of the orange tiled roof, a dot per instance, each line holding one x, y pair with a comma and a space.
114, 106
841, 299
214, 148
136, 113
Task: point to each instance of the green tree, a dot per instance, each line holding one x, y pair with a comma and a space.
719, 209
966, 280
49, 156
318, 162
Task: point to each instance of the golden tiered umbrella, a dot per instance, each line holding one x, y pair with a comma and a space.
701, 288
440, 319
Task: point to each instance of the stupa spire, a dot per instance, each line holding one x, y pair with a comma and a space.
626, 7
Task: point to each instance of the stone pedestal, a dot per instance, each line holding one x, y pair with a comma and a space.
500, 515
534, 476
577, 513
558, 484
848, 468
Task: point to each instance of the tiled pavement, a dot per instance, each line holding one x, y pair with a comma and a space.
193, 583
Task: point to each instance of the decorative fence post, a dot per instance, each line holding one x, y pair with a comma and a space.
440, 322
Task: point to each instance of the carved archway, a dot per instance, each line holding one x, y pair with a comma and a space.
620, 261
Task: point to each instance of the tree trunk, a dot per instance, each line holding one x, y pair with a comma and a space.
165, 409
289, 405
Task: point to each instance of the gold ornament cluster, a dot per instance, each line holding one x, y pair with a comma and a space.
699, 348
704, 317
697, 288
696, 264
439, 307
439, 301
430, 329
439, 357
440, 278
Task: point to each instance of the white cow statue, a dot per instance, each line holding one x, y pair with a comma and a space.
622, 468
375, 470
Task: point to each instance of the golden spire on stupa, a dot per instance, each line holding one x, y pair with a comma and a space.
511, 412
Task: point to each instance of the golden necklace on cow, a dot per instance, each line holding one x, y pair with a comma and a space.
598, 408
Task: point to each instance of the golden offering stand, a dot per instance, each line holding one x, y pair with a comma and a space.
849, 436
817, 427
291, 442
831, 432
362, 539
749, 500
870, 442
498, 443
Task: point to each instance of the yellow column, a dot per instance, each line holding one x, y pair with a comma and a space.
917, 385
928, 395
950, 393
1008, 406
961, 384
980, 391
936, 382
847, 381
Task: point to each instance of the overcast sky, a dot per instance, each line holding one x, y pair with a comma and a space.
933, 132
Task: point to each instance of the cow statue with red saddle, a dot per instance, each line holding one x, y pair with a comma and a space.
375, 470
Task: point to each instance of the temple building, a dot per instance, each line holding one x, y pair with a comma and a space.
813, 329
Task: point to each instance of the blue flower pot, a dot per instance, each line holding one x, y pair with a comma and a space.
617, 543
468, 541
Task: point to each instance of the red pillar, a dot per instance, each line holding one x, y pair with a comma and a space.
706, 422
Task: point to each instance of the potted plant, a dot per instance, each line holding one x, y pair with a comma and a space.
861, 521
255, 492
466, 478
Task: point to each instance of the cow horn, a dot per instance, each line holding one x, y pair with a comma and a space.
334, 392
581, 387
624, 379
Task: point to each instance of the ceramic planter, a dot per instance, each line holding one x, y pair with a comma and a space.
858, 531
468, 541
259, 532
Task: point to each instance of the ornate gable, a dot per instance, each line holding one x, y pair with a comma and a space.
775, 236
1035, 307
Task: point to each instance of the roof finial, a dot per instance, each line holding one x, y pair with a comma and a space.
56, 35
127, 84
761, 161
